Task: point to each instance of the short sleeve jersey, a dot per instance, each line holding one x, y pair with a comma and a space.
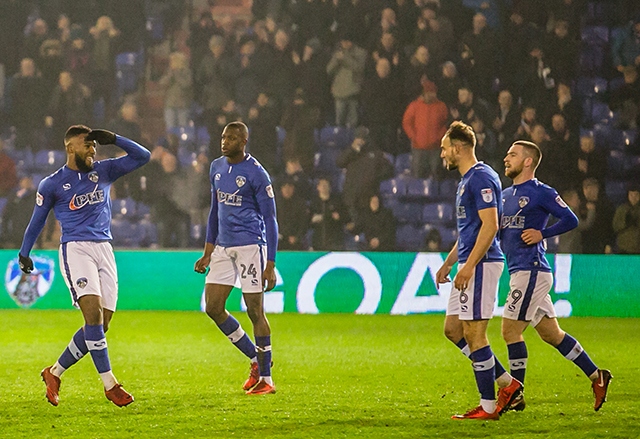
478, 189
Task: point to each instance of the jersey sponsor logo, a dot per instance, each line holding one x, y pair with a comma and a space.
523, 201
66, 186
487, 195
93, 176
82, 282
561, 202
26, 289
217, 177
79, 201
461, 213
240, 180
513, 222
39, 199
269, 190
229, 199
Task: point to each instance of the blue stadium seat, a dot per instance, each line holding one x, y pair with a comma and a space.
186, 157
447, 189
325, 161
410, 238
3, 203
125, 233
186, 135
123, 208
616, 83
354, 243
23, 158
148, 233
421, 188
616, 191
621, 139
395, 187
202, 136
595, 35
595, 86
408, 212
335, 137
403, 163
616, 162
552, 244
603, 133
596, 112
49, 161
437, 213
280, 134
600, 12
128, 71
592, 60
448, 235
143, 210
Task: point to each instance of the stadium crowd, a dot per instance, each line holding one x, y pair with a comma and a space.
346, 101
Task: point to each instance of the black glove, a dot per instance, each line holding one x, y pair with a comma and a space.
26, 264
103, 137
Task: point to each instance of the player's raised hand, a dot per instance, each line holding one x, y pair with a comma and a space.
103, 137
442, 276
269, 276
26, 264
531, 236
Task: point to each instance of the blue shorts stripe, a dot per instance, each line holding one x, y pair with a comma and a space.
477, 292
526, 300
67, 273
263, 264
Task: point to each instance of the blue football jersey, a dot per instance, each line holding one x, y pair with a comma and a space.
528, 206
243, 209
80, 200
478, 189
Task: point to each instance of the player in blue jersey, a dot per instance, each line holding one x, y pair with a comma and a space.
242, 238
527, 207
78, 193
480, 264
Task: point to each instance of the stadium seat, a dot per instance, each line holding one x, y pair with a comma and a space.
592, 60
354, 243
125, 233
202, 136
403, 164
600, 13
616, 191
437, 213
447, 189
123, 208
335, 137
595, 35
23, 158
603, 133
420, 188
621, 139
408, 212
616, 162
186, 157
3, 203
395, 187
552, 244
128, 70
448, 235
148, 232
280, 134
410, 238
142, 210
325, 161
591, 86
49, 161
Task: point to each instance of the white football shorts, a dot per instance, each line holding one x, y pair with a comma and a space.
529, 298
478, 300
89, 268
244, 264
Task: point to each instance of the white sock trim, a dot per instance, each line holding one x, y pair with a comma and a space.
97, 345
108, 379
488, 405
574, 352
236, 335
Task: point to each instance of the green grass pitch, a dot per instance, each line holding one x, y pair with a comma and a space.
338, 376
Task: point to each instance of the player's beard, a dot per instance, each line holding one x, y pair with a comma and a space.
513, 172
82, 164
450, 165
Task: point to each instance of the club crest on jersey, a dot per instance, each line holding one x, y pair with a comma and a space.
66, 186
523, 201
561, 202
270, 191
82, 282
487, 195
26, 289
217, 177
93, 176
240, 180
79, 201
39, 199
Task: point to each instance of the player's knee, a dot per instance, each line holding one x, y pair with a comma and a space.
255, 314
453, 334
216, 313
553, 336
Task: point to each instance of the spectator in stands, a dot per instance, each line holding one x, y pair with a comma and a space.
381, 107
69, 104
216, 121
346, 68
245, 74
34, 39
480, 57
625, 47
28, 98
571, 242
436, 33
211, 85
592, 162
565, 104
126, 123
528, 118
561, 52
199, 38
507, 119
559, 169
17, 213
421, 68
293, 218
425, 121
52, 61
78, 56
487, 144
311, 75
599, 237
626, 222
103, 54
178, 83
407, 13
352, 15
378, 225
448, 83
539, 79
328, 218
262, 121
387, 48
281, 80
294, 174
314, 20
626, 99
469, 107
388, 24
366, 167
8, 175
299, 121
517, 39
192, 194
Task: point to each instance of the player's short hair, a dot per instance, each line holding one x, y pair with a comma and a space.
240, 127
532, 150
75, 130
461, 132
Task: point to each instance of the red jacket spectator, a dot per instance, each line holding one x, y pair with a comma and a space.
425, 119
8, 176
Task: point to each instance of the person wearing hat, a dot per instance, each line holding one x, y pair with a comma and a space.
626, 222
425, 122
